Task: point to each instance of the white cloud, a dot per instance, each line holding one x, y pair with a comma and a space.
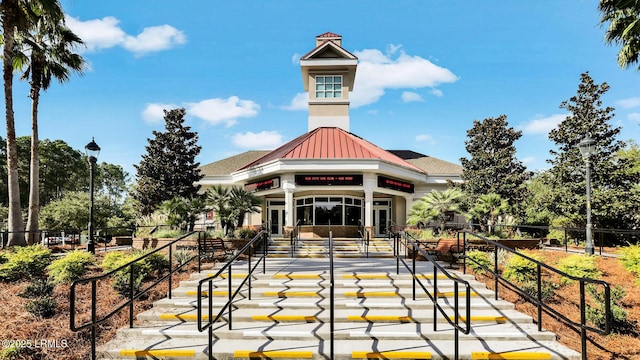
154, 39
154, 113
106, 33
299, 102
634, 116
410, 96
424, 137
528, 160
217, 110
295, 59
436, 92
378, 72
629, 102
262, 140
543, 125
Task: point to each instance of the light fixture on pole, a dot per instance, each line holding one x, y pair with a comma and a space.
93, 150
587, 149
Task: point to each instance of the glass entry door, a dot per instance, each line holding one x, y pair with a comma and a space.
276, 221
381, 217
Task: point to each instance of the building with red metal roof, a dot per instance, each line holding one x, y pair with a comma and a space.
330, 176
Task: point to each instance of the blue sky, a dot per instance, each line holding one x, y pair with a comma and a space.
426, 70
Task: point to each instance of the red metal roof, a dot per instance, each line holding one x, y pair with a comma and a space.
331, 143
329, 35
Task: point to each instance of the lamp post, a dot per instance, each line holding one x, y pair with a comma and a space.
92, 149
587, 149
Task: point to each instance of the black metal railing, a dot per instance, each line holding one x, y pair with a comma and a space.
332, 306
295, 238
260, 239
409, 243
133, 293
537, 300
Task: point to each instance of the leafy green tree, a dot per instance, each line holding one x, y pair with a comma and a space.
112, 181
244, 202
17, 17
493, 167
168, 169
436, 205
623, 17
72, 212
611, 202
44, 53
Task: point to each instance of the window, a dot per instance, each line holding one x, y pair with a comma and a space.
325, 210
328, 86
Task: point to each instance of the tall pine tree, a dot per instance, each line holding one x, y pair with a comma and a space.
168, 169
611, 202
493, 167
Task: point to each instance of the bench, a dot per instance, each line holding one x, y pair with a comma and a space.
445, 247
213, 249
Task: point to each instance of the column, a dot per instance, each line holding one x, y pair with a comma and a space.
369, 182
408, 203
289, 186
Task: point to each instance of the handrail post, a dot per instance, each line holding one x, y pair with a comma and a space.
435, 294
583, 321
331, 295
539, 281
495, 270
200, 253
248, 272
413, 270
94, 295
131, 307
170, 270
229, 295
265, 243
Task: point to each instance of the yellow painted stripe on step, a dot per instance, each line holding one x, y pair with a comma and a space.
234, 276
290, 293
391, 355
497, 319
379, 318
385, 276
157, 353
510, 355
272, 354
284, 318
206, 293
370, 294
169, 316
451, 293
297, 276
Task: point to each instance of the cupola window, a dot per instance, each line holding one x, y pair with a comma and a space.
328, 86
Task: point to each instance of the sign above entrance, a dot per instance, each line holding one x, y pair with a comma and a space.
329, 180
388, 183
262, 185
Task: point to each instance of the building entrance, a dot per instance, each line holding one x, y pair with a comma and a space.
381, 217
276, 221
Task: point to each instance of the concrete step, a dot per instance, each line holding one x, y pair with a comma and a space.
342, 331
181, 348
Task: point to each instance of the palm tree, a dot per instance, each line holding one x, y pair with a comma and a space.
436, 205
46, 50
16, 16
623, 17
219, 198
488, 207
243, 202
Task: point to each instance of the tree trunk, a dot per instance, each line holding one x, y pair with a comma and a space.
16, 226
34, 174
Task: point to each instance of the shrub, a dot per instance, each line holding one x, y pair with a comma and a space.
44, 307
630, 258
38, 288
596, 314
25, 262
519, 269
167, 233
3, 258
156, 262
70, 267
247, 233
121, 282
182, 257
579, 266
548, 290
480, 257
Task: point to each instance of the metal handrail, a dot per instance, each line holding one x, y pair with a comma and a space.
410, 241
263, 236
95, 321
331, 296
538, 301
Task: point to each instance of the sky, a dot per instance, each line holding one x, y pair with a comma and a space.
426, 71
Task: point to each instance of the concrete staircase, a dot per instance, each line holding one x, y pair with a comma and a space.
375, 318
343, 248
